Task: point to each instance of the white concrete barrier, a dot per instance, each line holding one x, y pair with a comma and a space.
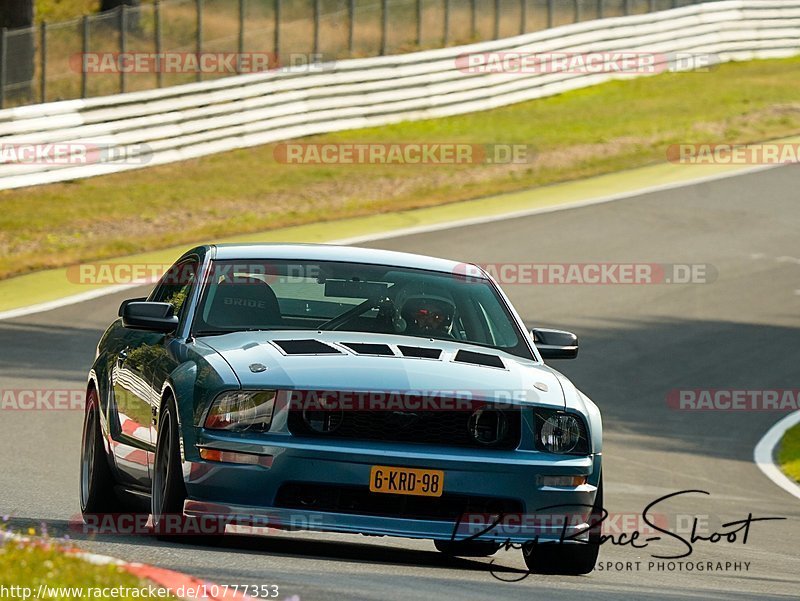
193, 120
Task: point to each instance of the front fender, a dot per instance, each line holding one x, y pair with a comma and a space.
194, 384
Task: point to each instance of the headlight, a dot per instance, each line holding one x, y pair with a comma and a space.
558, 432
488, 426
242, 411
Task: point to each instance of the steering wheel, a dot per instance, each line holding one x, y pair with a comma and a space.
386, 311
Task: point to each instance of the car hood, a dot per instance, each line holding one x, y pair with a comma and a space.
259, 362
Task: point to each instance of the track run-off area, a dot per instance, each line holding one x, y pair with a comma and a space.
640, 343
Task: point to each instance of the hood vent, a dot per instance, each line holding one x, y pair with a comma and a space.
366, 348
306, 347
419, 352
479, 359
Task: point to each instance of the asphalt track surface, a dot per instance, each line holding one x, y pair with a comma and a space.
638, 343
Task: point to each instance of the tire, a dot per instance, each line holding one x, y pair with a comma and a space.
96, 479
568, 559
168, 489
473, 548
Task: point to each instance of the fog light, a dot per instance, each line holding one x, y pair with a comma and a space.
325, 417
488, 426
232, 457
562, 480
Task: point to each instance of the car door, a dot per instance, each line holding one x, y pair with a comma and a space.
130, 384
135, 398
175, 288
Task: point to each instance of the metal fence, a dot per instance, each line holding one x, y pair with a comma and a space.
82, 58
111, 134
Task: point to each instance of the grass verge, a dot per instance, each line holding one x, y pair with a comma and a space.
611, 127
53, 284
30, 566
789, 453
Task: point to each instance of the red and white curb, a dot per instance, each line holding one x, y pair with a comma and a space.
193, 589
179, 585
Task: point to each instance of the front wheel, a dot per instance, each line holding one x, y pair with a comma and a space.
168, 489
97, 482
568, 559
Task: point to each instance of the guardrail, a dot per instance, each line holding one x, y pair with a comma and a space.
173, 124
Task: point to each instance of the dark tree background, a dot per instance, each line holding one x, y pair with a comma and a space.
20, 48
133, 19
16, 13
109, 4
21, 45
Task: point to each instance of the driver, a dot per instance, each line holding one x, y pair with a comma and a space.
426, 311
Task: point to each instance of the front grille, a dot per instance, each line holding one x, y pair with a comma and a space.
359, 500
433, 427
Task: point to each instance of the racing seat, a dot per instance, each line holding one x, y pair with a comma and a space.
244, 302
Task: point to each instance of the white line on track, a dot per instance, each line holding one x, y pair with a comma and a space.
763, 455
63, 302
422, 229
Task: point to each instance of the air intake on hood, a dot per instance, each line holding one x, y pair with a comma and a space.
419, 352
366, 348
479, 359
306, 347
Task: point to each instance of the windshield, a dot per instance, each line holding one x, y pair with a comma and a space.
355, 297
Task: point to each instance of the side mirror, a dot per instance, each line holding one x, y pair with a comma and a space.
555, 344
151, 317
125, 303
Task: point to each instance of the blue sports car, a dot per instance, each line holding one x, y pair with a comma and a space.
346, 390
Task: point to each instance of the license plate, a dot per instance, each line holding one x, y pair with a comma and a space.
406, 481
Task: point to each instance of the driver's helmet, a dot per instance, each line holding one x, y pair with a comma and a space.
427, 310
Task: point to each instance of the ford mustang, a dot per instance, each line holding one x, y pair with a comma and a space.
345, 390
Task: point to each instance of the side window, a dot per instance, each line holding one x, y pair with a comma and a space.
176, 284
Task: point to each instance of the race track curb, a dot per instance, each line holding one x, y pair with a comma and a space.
174, 582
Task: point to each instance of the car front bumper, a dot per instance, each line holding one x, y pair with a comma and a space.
246, 494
